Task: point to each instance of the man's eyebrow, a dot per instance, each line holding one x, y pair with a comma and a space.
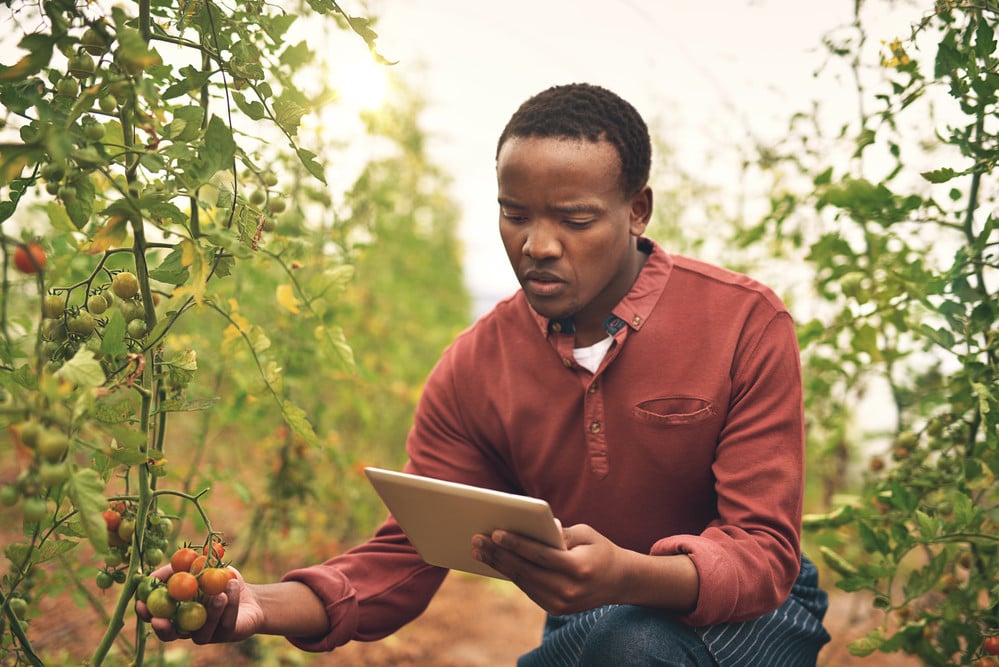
509, 203
572, 209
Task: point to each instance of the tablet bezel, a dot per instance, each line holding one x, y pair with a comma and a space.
441, 517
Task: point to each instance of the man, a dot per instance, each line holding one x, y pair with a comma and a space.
654, 401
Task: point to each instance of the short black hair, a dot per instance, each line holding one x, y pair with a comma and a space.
587, 111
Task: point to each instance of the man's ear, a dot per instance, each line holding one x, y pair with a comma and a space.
641, 210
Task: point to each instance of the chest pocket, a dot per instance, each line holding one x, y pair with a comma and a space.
673, 411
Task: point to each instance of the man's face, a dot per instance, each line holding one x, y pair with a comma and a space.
569, 231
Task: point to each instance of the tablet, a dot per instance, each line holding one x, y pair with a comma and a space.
440, 518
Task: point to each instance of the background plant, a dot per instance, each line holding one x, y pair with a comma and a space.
892, 219
196, 273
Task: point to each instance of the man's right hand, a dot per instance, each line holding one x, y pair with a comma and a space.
232, 616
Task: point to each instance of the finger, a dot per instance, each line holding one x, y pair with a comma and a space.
214, 604
230, 612
164, 629
526, 549
142, 611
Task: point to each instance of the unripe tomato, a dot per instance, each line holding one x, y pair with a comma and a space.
107, 103
29, 258
53, 474
81, 324
94, 42
53, 306
34, 510
97, 304
81, 66
182, 586
191, 616
93, 131
160, 604
67, 87
136, 328
9, 495
126, 529
52, 445
153, 556
125, 285
104, 579
19, 606
28, 432
131, 309
146, 586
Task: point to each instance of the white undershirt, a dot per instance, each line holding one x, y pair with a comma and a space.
590, 357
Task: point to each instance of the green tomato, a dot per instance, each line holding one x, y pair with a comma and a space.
28, 433
9, 495
53, 306
97, 304
132, 309
67, 87
125, 285
160, 604
34, 510
136, 328
104, 580
191, 616
19, 606
81, 324
53, 474
146, 586
153, 556
52, 445
126, 529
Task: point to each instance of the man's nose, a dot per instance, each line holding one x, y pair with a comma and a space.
541, 242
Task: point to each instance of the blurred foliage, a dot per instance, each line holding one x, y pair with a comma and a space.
192, 318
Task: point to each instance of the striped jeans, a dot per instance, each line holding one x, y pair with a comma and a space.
789, 636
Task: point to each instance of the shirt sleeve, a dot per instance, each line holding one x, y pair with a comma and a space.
377, 587
748, 558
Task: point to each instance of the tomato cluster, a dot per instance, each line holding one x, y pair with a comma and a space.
196, 575
120, 518
49, 468
67, 326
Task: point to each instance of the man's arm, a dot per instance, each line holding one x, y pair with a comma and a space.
288, 609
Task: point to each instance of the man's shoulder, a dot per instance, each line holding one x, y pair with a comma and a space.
721, 279
505, 320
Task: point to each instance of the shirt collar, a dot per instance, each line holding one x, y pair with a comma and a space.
636, 306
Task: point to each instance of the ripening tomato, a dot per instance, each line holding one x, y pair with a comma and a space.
198, 564
182, 559
160, 604
992, 645
182, 586
191, 616
213, 580
217, 550
29, 258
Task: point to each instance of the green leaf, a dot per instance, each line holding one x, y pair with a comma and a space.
254, 109
86, 490
39, 47
312, 165
83, 370
866, 645
219, 147
80, 209
113, 342
172, 270
299, 422
939, 175
19, 553
288, 115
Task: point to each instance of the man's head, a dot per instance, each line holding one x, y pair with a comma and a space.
572, 168
585, 111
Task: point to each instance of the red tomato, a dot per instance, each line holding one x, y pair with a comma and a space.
182, 586
29, 258
182, 559
992, 645
112, 519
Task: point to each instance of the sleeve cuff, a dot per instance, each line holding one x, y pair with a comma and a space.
339, 598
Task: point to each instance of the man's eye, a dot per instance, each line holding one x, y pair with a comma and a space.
577, 222
514, 217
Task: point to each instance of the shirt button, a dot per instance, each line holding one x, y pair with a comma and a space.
567, 362
557, 327
595, 427
592, 389
636, 320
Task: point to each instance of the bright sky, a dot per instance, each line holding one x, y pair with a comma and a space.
708, 72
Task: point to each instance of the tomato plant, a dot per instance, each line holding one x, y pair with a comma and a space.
894, 225
129, 145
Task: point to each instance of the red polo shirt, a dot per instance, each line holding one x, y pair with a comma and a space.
688, 439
